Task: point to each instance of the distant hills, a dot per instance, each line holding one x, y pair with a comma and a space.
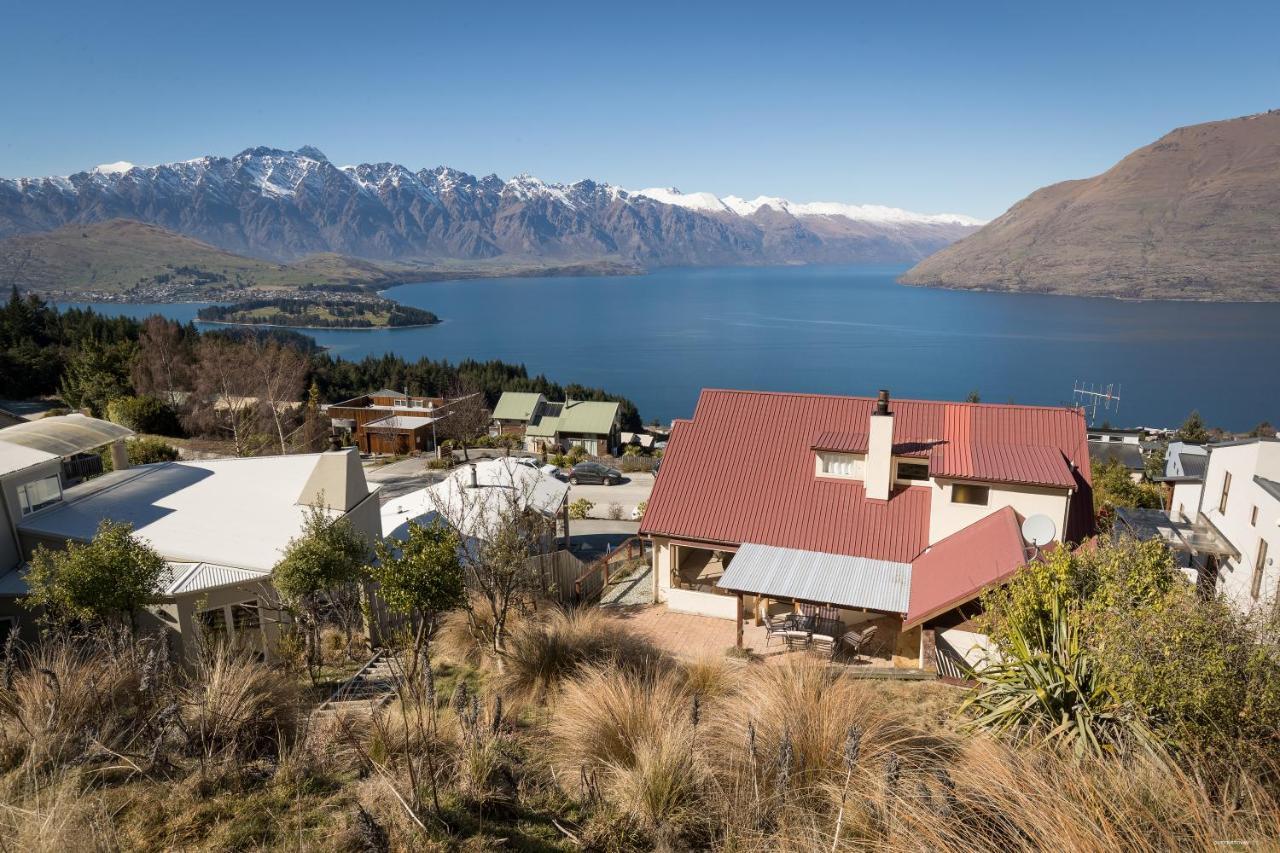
282, 206
1194, 215
121, 255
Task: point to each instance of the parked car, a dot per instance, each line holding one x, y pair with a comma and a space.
594, 472
532, 462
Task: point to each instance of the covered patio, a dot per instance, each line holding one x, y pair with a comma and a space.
821, 601
1197, 545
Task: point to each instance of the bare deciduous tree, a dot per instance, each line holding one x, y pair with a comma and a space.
224, 388
164, 365
466, 417
279, 372
505, 520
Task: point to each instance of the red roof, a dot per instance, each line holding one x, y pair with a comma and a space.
959, 568
743, 469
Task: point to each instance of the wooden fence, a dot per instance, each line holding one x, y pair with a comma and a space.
559, 571
589, 585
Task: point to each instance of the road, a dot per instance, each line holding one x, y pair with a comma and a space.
632, 490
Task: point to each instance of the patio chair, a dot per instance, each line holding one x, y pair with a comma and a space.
857, 642
797, 638
777, 626
824, 644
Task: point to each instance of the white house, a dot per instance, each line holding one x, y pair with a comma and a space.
221, 525
1229, 538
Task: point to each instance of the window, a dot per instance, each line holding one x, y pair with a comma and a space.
39, 494
963, 493
1259, 567
1253, 517
1226, 488
840, 465
244, 617
214, 621
913, 470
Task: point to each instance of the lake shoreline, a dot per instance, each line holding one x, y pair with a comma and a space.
836, 330
312, 328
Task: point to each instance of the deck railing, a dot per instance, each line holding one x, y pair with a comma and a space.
590, 584
951, 664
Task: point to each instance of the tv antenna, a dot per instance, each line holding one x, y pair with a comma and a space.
1089, 397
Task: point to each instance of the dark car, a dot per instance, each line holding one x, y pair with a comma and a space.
594, 472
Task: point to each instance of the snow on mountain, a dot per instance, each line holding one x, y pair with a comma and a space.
117, 168
691, 201
280, 204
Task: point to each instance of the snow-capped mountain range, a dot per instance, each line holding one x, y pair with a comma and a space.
282, 205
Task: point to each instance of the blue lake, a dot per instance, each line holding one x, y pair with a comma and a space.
659, 338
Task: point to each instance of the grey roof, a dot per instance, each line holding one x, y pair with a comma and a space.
1193, 464
1271, 487
1128, 455
812, 576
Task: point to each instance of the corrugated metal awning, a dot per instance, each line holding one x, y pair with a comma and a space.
855, 582
187, 578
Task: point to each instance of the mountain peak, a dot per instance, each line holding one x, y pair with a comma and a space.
1193, 215
279, 204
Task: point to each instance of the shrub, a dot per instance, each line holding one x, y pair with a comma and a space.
1197, 672
605, 715
1051, 687
105, 580
614, 512
580, 508
144, 414
145, 450
641, 508
439, 464
61, 690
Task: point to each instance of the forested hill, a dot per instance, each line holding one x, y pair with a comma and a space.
89, 360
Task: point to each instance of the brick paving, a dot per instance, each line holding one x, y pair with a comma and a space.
688, 636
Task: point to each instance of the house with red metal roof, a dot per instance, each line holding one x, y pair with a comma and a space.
899, 514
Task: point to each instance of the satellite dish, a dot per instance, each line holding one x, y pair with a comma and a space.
1039, 530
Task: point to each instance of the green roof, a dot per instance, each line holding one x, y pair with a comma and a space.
516, 405
544, 427
588, 417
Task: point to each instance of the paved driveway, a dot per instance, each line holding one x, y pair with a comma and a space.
633, 489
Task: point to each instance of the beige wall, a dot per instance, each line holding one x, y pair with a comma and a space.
184, 609
10, 552
946, 517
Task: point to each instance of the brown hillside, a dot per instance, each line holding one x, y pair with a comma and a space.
1195, 215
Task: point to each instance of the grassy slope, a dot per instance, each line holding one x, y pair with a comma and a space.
117, 255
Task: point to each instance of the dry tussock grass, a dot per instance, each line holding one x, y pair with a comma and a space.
542, 652
235, 705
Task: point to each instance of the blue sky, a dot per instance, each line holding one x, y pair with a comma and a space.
957, 107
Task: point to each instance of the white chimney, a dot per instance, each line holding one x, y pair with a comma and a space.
879, 475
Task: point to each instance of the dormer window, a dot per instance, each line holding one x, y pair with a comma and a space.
39, 494
913, 470
845, 465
